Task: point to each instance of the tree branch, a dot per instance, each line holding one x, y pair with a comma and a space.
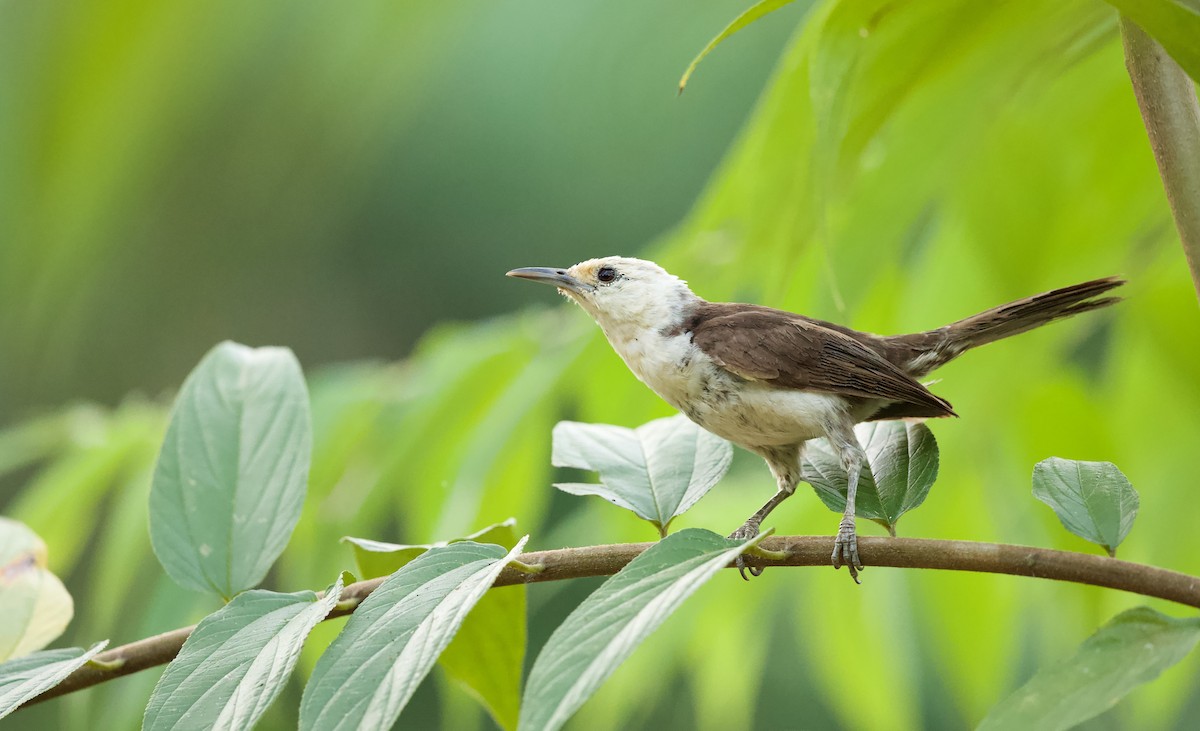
1167, 100
573, 563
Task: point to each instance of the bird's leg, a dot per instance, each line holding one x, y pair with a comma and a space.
785, 465
845, 546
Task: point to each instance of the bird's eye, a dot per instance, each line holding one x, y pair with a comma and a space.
606, 274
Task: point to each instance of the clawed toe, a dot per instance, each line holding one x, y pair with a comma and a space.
742, 568
748, 530
845, 550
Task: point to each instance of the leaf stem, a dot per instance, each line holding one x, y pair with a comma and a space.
1166, 97
526, 568
573, 563
106, 664
346, 606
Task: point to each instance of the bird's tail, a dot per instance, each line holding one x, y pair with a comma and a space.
937, 347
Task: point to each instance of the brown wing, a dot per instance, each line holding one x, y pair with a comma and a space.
777, 347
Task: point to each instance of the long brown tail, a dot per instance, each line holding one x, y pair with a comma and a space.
937, 347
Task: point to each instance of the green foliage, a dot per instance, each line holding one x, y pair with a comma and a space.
1135, 647
658, 470
1094, 500
32, 675
902, 465
909, 164
233, 470
34, 603
237, 660
380, 558
487, 653
609, 625
368, 674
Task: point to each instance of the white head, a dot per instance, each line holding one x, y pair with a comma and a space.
623, 294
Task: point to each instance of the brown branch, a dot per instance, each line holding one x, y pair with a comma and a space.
1167, 100
573, 563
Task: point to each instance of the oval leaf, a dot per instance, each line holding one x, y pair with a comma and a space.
902, 465
28, 677
233, 469
487, 654
34, 604
658, 470
237, 661
373, 667
1093, 500
1135, 647
609, 625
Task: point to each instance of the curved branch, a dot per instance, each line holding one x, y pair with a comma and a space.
573, 563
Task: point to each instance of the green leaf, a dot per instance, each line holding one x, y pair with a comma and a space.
658, 470
487, 654
379, 558
1135, 647
1094, 500
1175, 24
606, 628
903, 465
751, 14
32, 675
373, 667
33, 602
237, 661
231, 477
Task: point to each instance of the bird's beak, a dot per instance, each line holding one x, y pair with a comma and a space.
558, 277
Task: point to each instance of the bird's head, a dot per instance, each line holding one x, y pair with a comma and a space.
618, 292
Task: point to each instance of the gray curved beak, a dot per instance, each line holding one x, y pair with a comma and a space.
557, 277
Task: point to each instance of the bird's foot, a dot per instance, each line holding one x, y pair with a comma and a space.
845, 549
748, 530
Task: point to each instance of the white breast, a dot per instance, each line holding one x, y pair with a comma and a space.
748, 413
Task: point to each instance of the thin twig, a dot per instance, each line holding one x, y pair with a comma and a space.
573, 563
1167, 100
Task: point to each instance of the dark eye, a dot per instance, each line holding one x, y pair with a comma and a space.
606, 274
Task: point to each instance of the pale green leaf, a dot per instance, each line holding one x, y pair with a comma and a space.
751, 14
1094, 500
487, 653
34, 604
658, 470
902, 465
371, 670
30, 676
237, 661
380, 558
1135, 647
609, 625
232, 473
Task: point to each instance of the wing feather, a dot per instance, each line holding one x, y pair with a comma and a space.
761, 344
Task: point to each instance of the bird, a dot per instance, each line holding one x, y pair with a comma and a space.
770, 380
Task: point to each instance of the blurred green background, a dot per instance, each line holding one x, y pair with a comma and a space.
346, 179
